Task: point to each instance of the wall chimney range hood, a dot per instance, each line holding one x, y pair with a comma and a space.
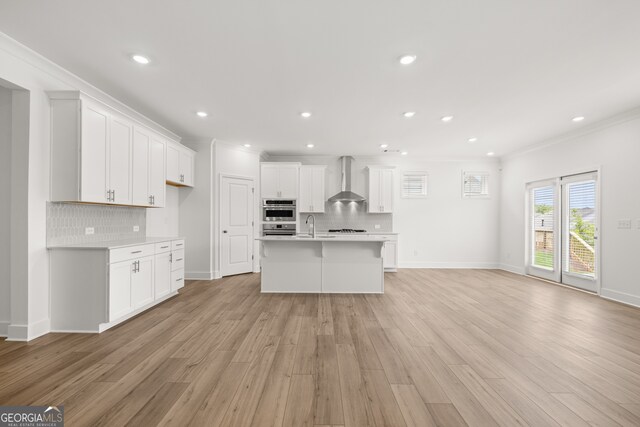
346, 195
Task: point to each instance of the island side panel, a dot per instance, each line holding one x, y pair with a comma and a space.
291, 266
352, 267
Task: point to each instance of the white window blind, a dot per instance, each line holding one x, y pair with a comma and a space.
414, 185
475, 184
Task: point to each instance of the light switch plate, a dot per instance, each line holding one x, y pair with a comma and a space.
136, 228
89, 230
624, 224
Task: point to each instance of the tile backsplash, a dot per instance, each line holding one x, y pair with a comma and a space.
66, 223
348, 215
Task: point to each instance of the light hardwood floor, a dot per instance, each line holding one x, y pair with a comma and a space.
440, 347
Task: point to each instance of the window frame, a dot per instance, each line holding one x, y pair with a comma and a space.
487, 178
424, 175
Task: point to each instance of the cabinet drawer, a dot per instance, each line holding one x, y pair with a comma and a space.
131, 252
163, 247
177, 244
177, 280
177, 262
392, 237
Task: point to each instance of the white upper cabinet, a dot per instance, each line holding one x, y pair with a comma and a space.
94, 141
279, 180
380, 198
148, 169
98, 155
312, 188
180, 165
119, 159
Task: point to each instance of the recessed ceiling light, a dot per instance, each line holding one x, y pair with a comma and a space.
202, 114
305, 114
247, 145
404, 153
447, 118
140, 59
409, 114
384, 145
578, 119
491, 153
310, 145
472, 140
407, 59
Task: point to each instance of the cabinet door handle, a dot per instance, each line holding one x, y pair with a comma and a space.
113, 195
136, 252
170, 258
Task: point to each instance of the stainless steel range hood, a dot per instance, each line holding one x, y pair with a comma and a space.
346, 195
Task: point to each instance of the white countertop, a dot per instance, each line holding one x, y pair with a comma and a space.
114, 244
325, 238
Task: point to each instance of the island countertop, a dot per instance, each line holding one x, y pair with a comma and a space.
306, 238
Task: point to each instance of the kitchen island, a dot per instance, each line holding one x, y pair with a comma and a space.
323, 264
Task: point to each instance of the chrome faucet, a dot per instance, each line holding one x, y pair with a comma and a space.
312, 227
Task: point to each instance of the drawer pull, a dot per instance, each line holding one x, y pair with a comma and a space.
136, 252
179, 259
179, 280
164, 247
178, 244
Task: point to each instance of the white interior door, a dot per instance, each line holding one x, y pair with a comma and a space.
543, 230
580, 231
236, 222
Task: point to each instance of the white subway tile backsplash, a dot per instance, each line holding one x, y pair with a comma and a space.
66, 223
349, 215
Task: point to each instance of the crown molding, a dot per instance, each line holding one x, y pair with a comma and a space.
608, 122
34, 59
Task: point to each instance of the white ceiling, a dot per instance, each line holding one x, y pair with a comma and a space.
511, 72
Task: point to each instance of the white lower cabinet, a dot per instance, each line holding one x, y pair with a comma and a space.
120, 289
390, 259
162, 282
95, 288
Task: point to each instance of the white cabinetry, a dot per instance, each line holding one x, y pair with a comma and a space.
390, 252
98, 155
148, 169
312, 197
380, 182
279, 180
180, 165
95, 288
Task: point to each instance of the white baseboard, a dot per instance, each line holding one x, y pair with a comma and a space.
512, 269
39, 329
622, 297
198, 275
17, 333
217, 275
479, 265
4, 328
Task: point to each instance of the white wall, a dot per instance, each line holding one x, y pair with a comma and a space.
164, 222
196, 214
615, 148
5, 210
236, 161
442, 230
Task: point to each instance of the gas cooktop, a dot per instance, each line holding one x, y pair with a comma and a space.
346, 230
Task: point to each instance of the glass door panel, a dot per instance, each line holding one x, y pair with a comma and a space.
579, 231
542, 230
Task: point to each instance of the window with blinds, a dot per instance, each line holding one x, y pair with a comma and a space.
414, 185
475, 184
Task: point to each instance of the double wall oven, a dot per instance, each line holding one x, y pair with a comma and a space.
279, 217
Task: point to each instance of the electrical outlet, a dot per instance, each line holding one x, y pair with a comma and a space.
136, 228
377, 226
89, 230
624, 224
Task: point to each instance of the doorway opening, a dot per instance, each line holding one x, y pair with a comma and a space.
563, 230
14, 166
236, 225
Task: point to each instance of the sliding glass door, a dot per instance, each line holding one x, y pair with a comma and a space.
562, 230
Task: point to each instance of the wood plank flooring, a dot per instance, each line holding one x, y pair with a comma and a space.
439, 348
